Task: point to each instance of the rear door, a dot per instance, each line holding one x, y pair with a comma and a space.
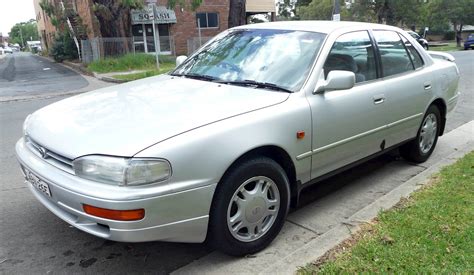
407, 85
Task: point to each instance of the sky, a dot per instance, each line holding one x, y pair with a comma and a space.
15, 11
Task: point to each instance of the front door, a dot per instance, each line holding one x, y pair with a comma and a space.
348, 125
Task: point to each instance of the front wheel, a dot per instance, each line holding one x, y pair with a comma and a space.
420, 149
249, 207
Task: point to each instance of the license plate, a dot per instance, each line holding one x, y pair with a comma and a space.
37, 183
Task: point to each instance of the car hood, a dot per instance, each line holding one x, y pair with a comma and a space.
124, 119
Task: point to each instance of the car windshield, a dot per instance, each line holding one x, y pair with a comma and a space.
271, 58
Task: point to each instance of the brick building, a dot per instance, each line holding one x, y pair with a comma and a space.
177, 29
3, 39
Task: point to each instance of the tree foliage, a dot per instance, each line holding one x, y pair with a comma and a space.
320, 10
286, 8
63, 47
28, 30
456, 12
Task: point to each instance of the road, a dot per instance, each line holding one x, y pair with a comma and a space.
26, 74
32, 240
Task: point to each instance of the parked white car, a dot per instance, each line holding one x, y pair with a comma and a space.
8, 50
220, 148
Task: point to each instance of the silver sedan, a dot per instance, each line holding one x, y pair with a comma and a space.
220, 148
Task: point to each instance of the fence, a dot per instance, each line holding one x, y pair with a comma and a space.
100, 47
195, 43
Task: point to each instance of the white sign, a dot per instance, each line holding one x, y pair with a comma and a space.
336, 17
161, 14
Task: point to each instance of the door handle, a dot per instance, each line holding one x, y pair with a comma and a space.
427, 85
378, 99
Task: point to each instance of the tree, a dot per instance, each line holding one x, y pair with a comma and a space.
457, 12
24, 31
237, 14
404, 13
286, 8
319, 10
363, 11
107, 12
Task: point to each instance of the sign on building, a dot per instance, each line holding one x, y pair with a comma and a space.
161, 14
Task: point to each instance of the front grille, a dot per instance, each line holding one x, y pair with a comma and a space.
49, 156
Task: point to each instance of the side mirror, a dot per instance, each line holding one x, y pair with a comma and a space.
337, 80
180, 59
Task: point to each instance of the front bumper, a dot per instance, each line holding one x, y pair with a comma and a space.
178, 217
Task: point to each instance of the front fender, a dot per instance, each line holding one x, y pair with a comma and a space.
201, 156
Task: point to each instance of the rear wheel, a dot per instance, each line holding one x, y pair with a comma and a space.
420, 149
249, 207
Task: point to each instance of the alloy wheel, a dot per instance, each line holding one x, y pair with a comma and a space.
253, 209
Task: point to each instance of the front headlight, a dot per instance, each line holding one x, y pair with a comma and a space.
122, 171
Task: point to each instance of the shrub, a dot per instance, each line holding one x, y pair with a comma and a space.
450, 35
63, 48
139, 61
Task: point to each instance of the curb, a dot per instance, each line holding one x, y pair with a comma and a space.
325, 242
107, 78
78, 68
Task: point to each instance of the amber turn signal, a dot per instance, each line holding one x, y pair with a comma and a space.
300, 135
118, 215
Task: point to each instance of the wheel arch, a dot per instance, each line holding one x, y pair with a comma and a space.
441, 105
277, 154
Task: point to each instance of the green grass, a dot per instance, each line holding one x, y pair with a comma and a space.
432, 232
164, 68
448, 48
139, 61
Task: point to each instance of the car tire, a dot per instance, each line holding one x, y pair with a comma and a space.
420, 149
249, 207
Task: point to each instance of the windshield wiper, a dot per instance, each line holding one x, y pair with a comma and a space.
257, 84
197, 76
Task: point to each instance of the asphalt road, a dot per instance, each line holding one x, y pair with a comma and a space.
33, 240
24, 74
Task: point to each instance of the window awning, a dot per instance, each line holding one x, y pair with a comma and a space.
258, 6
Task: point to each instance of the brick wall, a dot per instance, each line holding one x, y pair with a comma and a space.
186, 27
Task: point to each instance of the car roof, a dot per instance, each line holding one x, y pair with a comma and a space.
315, 26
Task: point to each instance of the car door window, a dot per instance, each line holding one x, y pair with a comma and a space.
414, 54
393, 55
353, 52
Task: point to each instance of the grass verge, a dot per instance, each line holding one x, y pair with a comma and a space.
448, 48
431, 232
164, 68
139, 61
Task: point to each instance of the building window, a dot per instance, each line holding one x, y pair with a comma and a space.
207, 19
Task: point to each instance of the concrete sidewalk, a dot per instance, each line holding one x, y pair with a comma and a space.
312, 230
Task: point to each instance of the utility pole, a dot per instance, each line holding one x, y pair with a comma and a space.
337, 11
151, 14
